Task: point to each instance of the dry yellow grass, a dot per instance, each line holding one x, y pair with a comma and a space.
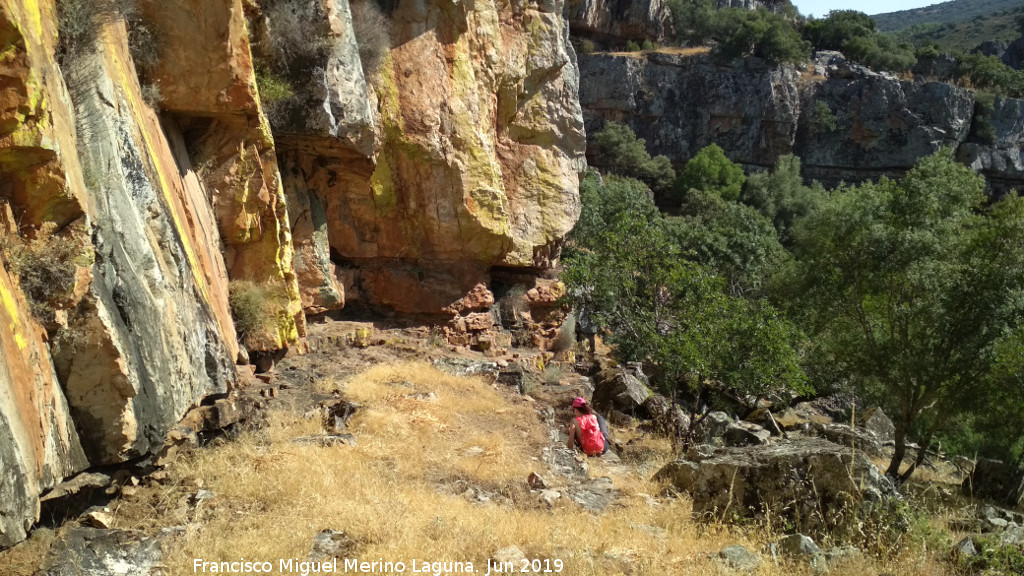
392, 492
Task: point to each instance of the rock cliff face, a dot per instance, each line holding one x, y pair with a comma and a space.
621, 20
479, 145
844, 121
402, 187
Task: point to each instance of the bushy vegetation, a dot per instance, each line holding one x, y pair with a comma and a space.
899, 291
738, 32
781, 196
46, 266
673, 292
710, 171
989, 73
617, 149
853, 33
259, 311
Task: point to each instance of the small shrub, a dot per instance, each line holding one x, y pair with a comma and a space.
989, 73
823, 120
994, 557
273, 88
151, 95
552, 374
257, 310
632, 46
46, 266
982, 130
373, 33
648, 45
587, 46
566, 336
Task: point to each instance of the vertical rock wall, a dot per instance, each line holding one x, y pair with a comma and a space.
148, 331
480, 145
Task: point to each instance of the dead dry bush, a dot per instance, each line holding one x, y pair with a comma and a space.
373, 33
46, 265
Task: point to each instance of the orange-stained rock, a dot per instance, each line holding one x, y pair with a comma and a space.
479, 298
480, 144
204, 65
229, 140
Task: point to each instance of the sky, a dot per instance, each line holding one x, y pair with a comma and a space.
821, 7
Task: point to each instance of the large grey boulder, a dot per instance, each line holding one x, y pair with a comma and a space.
665, 418
875, 420
617, 389
745, 434
809, 482
95, 552
997, 480
712, 425
736, 558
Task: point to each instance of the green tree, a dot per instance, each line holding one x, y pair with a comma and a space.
710, 171
781, 196
732, 239
912, 291
838, 28
854, 34
759, 33
617, 149
605, 200
693, 20
662, 309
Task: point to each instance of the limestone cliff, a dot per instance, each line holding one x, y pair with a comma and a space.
151, 200
479, 145
621, 20
847, 123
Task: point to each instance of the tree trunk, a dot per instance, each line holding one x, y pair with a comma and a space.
922, 453
901, 450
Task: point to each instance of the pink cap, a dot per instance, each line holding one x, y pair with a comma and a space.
579, 403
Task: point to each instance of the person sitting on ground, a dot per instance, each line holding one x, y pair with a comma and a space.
585, 431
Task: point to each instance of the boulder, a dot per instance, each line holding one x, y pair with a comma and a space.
965, 548
863, 440
875, 420
738, 559
664, 418
95, 552
808, 482
745, 434
1003, 483
798, 545
712, 425
764, 418
617, 389
330, 544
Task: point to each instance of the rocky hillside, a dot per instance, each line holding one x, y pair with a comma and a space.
138, 217
942, 12
845, 121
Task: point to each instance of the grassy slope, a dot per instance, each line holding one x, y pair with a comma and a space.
964, 36
954, 12
392, 493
